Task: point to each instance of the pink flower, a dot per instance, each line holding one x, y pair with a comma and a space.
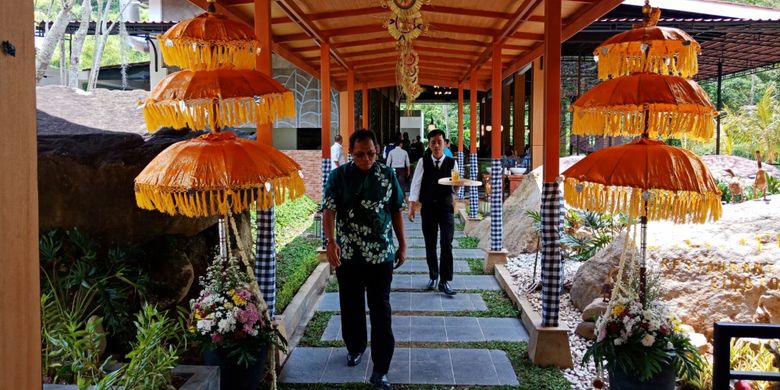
216, 338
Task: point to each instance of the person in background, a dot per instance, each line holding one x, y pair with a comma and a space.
447, 150
337, 157
398, 159
363, 200
407, 141
416, 149
437, 210
389, 147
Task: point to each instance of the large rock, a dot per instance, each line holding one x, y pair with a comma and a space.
715, 271
595, 309
586, 330
520, 235
85, 180
594, 273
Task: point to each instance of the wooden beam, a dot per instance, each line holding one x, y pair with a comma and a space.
521, 14
460, 120
444, 27
347, 13
450, 41
293, 37
581, 19
473, 95
552, 101
350, 102
296, 14
435, 8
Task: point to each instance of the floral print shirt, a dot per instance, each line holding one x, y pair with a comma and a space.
364, 206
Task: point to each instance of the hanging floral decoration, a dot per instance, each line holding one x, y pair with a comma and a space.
405, 8
405, 24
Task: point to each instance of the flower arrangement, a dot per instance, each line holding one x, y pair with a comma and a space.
643, 340
231, 315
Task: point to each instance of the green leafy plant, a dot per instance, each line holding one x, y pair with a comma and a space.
749, 356
154, 353
585, 233
466, 242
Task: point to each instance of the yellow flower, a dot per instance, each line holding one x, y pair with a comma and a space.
238, 300
192, 329
198, 316
228, 305
617, 310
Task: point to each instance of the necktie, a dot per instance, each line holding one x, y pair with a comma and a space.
437, 164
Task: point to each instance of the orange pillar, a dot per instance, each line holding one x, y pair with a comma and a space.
264, 61
552, 88
325, 99
364, 99
350, 102
519, 113
460, 120
496, 103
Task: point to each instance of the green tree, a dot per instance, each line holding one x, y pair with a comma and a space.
752, 128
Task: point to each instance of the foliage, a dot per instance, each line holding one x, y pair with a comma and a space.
752, 128
701, 382
229, 315
441, 111
642, 340
73, 262
293, 217
71, 336
749, 356
295, 262
476, 265
467, 242
154, 353
586, 232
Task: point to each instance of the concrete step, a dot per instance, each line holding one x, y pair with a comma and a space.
421, 267
443, 329
446, 366
418, 301
459, 282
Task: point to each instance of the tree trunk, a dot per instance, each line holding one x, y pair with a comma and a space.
78, 43
52, 38
105, 30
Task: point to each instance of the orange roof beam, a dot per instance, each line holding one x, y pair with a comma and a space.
299, 17
522, 14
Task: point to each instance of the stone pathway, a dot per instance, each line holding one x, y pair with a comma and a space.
422, 317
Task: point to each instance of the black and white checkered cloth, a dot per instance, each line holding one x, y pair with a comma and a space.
473, 191
496, 206
265, 260
460, 171
552, 262
325, 173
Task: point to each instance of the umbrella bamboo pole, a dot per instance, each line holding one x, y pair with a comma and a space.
222, 228
643, 240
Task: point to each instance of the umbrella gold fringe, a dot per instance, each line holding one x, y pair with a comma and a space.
198, 114
666, 58
197, 54
665, 120
216, 202
676, 206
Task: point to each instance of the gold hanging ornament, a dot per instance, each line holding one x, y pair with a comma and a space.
405, 8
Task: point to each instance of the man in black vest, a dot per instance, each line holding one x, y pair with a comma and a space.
437, 209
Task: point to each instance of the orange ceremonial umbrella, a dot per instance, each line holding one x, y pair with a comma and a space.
646, 179
216, 173
648, 48
217, 98
210, 41
645, 103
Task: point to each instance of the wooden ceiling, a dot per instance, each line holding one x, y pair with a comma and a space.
459, 36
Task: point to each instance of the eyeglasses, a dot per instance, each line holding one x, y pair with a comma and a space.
361, 155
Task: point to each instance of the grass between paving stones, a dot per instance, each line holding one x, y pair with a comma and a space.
476, 265
467, 242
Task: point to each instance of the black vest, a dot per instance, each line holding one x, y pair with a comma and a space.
431, 192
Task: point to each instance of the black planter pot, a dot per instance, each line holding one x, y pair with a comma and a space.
235, 376
664, 380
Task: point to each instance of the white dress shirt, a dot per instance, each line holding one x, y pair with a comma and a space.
337, 155
414, 191
398, 158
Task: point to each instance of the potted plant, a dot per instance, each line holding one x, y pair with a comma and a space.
231, 320
643, 346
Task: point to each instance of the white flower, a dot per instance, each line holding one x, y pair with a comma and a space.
618, 341
669, 345
648, 340
227, 325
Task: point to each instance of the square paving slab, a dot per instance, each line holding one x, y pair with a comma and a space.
444, 329
414, 301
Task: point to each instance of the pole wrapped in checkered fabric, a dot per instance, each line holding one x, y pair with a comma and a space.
460, 171
265, 260
325, 173
552, 262
496, 206
473, 191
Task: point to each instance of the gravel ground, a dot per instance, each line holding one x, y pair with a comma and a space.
521, 269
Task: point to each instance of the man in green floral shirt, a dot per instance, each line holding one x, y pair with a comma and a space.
364, 199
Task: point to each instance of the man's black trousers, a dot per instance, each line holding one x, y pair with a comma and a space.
358, 280
438, 218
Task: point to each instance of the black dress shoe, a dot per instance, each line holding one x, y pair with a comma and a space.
380, 381
432, 284
445, 288
354, 360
